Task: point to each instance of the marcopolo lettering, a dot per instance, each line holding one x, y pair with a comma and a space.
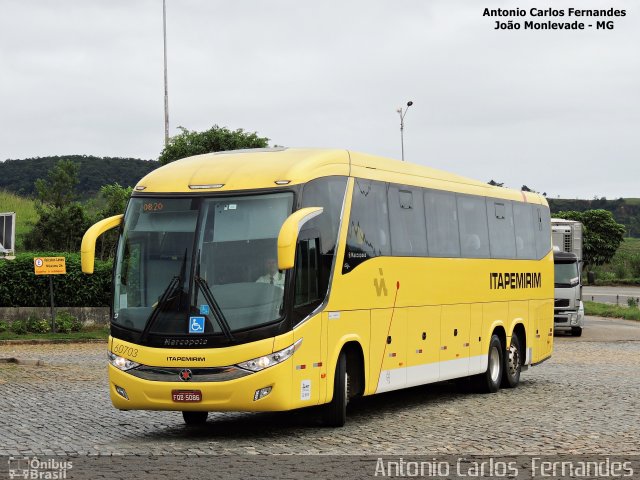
514, 280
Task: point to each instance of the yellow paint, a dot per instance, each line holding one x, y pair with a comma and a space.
88, 246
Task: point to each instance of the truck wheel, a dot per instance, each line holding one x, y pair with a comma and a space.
512, 364
489, 381
334, 414
195, 418
576, 331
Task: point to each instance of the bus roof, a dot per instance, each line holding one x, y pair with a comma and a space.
262, 168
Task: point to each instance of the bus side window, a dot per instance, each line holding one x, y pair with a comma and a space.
442, 223
307, 283
406, 218
501, 229
474, 234
524, 229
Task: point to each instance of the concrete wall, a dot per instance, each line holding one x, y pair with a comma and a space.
88, 315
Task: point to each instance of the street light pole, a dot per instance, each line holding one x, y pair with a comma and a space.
402, 114
166, 87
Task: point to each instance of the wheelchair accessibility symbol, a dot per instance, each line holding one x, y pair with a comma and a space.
196, 324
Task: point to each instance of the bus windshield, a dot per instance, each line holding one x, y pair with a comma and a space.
209, 259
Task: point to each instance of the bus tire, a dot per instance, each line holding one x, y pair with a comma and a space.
576, 331
489, 381
195, 418
512, 364
334, 413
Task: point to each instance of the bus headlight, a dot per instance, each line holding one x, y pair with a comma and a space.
121, 362
270, 360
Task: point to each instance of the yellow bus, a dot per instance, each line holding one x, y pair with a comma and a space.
278, 279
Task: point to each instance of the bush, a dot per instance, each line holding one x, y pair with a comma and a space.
620, 270
38, 325
634, 265
606, 276
19, 327
632, 302
65, 323
20, 287
4, 326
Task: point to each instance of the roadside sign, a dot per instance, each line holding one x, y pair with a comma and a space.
49, 265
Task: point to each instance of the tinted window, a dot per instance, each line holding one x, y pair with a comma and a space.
368, 234
307, 275
442, 224
328, 193
501, 229
317, 244
406, 217
474, 235
542, 219
525, 238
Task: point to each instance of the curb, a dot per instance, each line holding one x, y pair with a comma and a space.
23, 361
52, 341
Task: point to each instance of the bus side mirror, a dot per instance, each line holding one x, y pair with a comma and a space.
88, 247
288, 236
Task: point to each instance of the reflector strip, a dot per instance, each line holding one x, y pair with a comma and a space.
465, 345
392, 355
317, 364
419, 350
444, 347
300, 367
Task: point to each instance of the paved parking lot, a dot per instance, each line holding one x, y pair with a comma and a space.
584, 400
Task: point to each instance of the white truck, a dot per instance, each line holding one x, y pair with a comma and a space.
567, 257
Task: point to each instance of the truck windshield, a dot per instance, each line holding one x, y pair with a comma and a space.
566, 273
209, 259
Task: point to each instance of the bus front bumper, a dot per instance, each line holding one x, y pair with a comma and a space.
129, 392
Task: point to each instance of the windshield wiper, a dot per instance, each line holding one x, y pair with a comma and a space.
215, 307
176, 281
168, 292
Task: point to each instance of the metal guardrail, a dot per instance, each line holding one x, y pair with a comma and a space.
620, 300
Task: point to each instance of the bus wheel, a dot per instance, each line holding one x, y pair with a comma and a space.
195, 418
512, 364
576, 331
334, 414
489, 381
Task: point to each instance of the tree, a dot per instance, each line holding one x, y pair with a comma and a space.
216, 139
59, 189
114, 200
62, 222
602, 235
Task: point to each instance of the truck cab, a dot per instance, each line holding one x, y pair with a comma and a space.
569, 310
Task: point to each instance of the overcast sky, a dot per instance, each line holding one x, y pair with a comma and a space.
558, 111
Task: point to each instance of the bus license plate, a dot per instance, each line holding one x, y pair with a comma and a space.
186, 396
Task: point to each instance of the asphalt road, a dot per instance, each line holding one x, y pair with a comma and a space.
616, 294
600, 329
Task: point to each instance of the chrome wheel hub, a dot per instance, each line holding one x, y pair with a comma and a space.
494, 364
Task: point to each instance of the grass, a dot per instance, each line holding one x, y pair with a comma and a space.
606, 310
624, 268
25, 210
89, 333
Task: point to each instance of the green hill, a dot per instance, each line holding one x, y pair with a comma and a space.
625, 210
25, 210
19, 176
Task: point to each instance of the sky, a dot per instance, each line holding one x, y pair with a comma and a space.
558, 111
